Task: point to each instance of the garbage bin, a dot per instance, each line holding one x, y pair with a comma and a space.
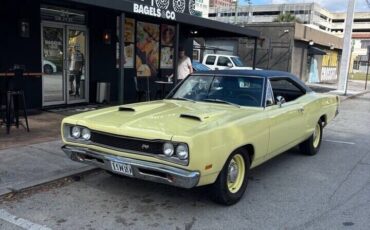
103, 92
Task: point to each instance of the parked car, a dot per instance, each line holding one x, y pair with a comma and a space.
221, 61
197, 66
48, 67
210, 130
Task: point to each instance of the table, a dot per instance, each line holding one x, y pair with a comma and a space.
163, 83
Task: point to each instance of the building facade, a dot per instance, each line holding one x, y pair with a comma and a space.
220, 3
68, 48
310, 14
307, 13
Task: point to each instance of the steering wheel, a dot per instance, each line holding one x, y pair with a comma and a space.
251, 97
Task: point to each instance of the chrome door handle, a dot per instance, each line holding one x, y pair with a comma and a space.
301, 110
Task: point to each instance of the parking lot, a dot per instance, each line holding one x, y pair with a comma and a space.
292, 191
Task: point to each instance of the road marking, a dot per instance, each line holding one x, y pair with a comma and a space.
20, 222
341, 142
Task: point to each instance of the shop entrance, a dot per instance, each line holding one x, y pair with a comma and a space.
64, 63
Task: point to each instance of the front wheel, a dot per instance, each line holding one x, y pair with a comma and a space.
233, 179
311, 146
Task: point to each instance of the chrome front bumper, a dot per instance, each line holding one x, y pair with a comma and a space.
141, 169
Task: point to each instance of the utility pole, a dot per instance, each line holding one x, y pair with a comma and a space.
347, 49
368, 63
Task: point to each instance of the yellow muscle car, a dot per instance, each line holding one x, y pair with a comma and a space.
210, 130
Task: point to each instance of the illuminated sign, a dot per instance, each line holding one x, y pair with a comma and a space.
164, 8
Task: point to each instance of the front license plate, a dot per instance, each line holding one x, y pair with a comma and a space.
121, 168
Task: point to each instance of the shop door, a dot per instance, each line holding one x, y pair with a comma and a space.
64, 64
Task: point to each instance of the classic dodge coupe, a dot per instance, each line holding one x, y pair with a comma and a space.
210, 130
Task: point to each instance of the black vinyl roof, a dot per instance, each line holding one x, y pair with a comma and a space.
272, 74
216, 28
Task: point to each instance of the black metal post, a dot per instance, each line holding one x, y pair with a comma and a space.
254, 53
176, 53
121, 58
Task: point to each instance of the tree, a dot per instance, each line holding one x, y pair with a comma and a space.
286, 17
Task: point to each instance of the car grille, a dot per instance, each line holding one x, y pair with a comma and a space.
126, 143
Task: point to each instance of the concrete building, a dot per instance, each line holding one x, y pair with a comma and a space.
310, 14
307, 13
202, 6
220, 3
307, 52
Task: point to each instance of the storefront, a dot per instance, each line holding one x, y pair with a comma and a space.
132, 45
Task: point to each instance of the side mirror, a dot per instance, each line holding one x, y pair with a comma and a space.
229, 64
280, 100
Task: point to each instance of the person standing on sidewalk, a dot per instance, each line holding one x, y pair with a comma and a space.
184, 67
76, 62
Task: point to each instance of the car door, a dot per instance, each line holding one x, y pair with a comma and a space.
224, 63
287, 120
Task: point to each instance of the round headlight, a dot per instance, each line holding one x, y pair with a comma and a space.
182, 152
76, 132
168, 149
86, 134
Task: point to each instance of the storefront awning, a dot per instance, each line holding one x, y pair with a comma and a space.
202, 27
316, 51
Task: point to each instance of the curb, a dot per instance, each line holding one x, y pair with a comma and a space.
29, 185
354, 95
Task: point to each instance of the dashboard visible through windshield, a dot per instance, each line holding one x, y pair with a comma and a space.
233, 90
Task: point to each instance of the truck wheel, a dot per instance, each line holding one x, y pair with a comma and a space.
233, 179
48, 69
311, 146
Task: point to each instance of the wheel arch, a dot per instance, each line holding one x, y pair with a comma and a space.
323, 119
250, 150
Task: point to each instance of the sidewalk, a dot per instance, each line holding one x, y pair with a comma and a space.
28, 166
34, 158
354, 89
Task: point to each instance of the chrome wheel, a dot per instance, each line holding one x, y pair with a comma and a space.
236, 173
316, 135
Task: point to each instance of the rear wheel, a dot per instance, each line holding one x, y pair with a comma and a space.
233, 179
311, 146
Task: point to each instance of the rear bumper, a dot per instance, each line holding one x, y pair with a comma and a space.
140, 169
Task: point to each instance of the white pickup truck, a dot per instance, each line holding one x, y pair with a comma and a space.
221, 61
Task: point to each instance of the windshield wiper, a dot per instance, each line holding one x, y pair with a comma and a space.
221, 101
183, 99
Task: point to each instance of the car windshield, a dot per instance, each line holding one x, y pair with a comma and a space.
232, 90
238, 62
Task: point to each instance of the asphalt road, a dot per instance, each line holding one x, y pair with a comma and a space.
328, 191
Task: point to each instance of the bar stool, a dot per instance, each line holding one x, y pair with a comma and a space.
14, 97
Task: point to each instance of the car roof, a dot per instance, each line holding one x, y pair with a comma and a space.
225, 55
260, 73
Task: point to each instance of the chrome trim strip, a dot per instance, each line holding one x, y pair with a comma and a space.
174, 176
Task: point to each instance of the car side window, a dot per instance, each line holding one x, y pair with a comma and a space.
223, 61
269, 95
286, 88
210, 60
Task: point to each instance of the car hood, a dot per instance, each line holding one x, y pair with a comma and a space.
162, 119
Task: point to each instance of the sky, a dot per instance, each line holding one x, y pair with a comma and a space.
332, 5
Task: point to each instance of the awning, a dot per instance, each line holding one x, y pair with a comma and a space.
203, 26
315, 51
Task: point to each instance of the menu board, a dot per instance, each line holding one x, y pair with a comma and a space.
147, 49
129, 39
166, 58
129, 30
167, 42
167, 35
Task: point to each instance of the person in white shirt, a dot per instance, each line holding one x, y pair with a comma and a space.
184, 67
